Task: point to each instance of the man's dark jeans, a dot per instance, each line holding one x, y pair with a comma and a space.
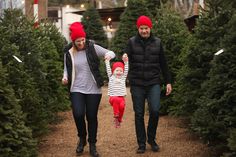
86, 105
139, 95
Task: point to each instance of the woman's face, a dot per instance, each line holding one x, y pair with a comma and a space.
79, 43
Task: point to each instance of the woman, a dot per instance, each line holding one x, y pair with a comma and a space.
81, 74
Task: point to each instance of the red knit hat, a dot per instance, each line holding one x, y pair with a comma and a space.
116, 65
77, 31
75, 25
144, 20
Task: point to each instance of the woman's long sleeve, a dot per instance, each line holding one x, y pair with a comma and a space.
65, 74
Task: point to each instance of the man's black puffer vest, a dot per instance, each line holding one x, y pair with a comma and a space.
92, 59
144, 61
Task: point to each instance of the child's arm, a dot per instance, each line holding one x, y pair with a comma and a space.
126, 61
108, 67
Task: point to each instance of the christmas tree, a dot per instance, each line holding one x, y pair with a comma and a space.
15, 137
94, 27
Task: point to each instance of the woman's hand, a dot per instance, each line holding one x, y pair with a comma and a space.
64, 81
107, 57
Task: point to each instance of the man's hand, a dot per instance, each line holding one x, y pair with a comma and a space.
168, 89
125, 57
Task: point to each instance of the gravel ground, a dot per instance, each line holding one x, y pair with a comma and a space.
173, 139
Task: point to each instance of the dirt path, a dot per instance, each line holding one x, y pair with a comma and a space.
174, 140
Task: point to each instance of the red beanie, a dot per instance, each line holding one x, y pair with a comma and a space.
75, 25
116, 65
77, 31
144, 20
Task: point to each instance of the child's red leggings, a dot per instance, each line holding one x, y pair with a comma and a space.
118, 104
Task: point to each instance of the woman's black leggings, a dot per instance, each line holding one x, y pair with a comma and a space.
86, 105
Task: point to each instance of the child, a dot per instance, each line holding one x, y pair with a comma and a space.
116, 87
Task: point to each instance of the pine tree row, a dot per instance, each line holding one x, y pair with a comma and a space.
31, 93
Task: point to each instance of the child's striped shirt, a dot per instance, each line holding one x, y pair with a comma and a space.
116, 86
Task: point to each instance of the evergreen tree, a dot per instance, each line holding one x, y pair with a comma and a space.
153, 6
231, 143
94, 27
52, 50
51, 31
215, 118
51, 44
173, 33
19, 40
15, 138
36, 80
196, 58
127, 26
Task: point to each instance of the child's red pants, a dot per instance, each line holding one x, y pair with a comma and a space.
118, 104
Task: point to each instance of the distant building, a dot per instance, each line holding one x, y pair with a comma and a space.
64, 15
5, 4
189, 10
110, 17
42, 9
27, 7
110, 10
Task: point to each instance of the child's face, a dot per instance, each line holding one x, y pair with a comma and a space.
118, 71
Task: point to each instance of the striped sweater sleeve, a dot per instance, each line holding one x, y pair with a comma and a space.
108, 68
126, 69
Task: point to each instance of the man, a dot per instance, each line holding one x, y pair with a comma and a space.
147, 62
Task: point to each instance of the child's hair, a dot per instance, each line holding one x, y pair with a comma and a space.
116, 65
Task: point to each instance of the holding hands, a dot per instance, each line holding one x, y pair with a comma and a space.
125, 57
107, 57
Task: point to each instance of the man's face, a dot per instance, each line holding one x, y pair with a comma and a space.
144, 31
79, 43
